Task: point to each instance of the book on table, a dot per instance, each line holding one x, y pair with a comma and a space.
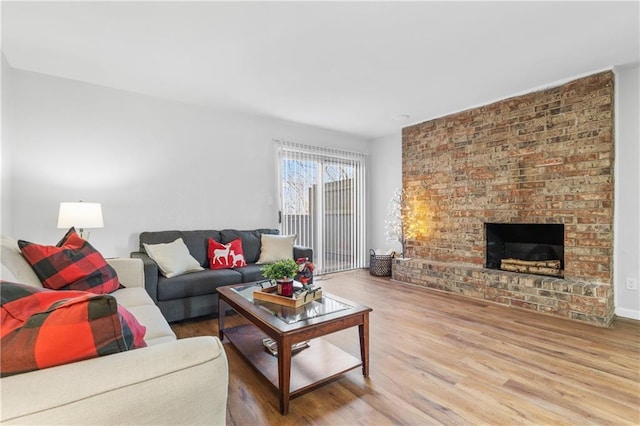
272, 347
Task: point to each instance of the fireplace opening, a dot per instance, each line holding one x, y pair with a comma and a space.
525, 247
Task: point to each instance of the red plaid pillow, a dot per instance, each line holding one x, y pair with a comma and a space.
72, 264
44, 328
223, 256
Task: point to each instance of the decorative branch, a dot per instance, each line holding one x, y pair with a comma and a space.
393, 225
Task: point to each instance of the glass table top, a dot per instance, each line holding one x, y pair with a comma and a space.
317, 308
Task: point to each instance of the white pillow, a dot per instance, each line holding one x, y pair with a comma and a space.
276, 247
173, 258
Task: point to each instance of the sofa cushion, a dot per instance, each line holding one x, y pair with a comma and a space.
226, 256
158, 237
201, 283
276, 247
173, 258
196, 241
158, 329
42, 328
132, 297
7, 275
14, 266
251, 272
72, 264
250, 242
137, 301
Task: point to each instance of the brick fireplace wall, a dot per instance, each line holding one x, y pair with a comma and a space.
544, 157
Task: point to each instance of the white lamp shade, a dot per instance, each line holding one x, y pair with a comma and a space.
80, 215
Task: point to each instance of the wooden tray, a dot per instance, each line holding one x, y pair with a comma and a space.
269, 295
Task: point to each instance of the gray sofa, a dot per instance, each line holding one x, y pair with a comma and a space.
194, 294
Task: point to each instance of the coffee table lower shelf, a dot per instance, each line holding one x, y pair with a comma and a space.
311, 367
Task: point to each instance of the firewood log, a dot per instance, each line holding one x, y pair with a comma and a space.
539, 263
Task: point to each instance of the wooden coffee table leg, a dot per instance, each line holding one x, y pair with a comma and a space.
284, 373
363, 330
221, 311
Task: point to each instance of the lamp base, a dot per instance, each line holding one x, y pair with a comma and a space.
84, 234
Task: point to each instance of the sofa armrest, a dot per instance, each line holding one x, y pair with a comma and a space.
130, 271
179, 382
151, 272
300, 251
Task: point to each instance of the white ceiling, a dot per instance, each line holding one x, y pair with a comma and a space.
348, 66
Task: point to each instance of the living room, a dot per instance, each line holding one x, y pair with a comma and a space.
75, 128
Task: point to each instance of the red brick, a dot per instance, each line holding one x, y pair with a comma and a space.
544, 157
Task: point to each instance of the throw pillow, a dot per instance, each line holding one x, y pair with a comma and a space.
72, 264
276, 247
173, 258
224, 256
43, 328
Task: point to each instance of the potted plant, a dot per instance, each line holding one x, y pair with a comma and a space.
283, 272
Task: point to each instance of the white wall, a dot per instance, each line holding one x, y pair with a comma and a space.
5, 154
153, 164
627, 191
385, 176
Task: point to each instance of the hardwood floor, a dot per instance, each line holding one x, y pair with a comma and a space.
442, 359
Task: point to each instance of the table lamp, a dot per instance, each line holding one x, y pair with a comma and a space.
80, 215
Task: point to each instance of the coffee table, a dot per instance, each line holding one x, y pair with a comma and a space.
294, 373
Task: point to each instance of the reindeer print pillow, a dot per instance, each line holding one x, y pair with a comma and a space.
225, 256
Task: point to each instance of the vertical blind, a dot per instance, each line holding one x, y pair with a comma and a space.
322, 201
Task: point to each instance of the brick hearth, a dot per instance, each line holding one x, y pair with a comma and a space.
544, 157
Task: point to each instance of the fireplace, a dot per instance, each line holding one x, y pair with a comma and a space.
540, 168
529, 246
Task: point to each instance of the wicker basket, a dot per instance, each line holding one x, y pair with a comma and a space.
380, 264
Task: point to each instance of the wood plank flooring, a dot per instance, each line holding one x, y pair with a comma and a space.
442, 359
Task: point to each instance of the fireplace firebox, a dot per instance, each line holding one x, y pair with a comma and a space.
537, 245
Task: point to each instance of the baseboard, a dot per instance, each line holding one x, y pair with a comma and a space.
628, 313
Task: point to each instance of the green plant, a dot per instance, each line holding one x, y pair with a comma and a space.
280, 270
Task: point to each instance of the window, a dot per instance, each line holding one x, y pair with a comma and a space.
322, 201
